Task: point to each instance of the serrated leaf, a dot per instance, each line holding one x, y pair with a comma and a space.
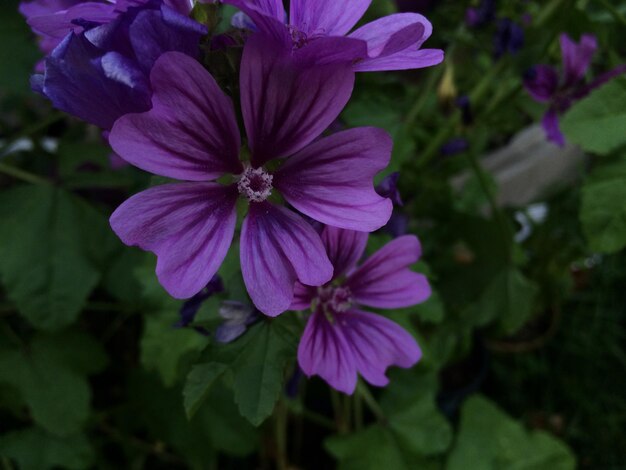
35, 449
598, 122
198, 385
488, 439
603, 209
52, 248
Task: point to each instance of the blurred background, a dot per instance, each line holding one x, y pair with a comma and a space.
524, 338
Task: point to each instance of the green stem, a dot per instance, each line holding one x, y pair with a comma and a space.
358, 412
280, 430
614, 11
547, 12
318, 419
335, 399
22, 175
370, 401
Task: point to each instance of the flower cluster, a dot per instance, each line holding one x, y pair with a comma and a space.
135, 69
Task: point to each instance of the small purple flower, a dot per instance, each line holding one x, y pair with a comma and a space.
560, 89
102, 73
509, 37
388, 187
191, 134
389, 43
464, 104
454, 146
485, 13
341, 340
237, 318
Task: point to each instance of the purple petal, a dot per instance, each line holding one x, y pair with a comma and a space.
279, 248
45, 7
552, 128
384, 280
394, 41
577, 57
376, 344
59, 24
286, 104
325, 351
542, 82
331, 180
191, 131
268, 16
388, 187
189, 226
183, 7
407, 59
599, 81
331, 50
302, 296
344, 247
327, 17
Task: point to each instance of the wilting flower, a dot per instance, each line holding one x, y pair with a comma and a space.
341, 340
53, 20
509, 37
393, 42
560, 89
191, 134
102, 73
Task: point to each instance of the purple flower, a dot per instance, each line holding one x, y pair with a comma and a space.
454, 146
102, 73
237, 317
389, 43
560, 89
485, 13
509, 37
388, 187
191, 134
341, 340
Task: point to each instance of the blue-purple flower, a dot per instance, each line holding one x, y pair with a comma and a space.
561, 88
340, 339
191, 134
509, 38
390, 43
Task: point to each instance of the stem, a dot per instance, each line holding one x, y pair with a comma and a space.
280, 429
336, 402
318, 419
614, 11
358, 412
370, 401
547, 12
22, 175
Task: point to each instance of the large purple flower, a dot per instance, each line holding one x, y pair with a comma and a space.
340, 340
191, 134
560, 89
393, 42
102, 73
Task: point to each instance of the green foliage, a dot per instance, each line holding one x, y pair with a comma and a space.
52, 245
597, 123
603, 211
488, 439
256, 363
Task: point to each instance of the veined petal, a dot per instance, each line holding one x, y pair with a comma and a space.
325, 351
286, 104
577, 57
191, 131
279, 248
189, 226
384, 280
331, 180
327, 17
377, 343
407, 59
344, 247
302, 297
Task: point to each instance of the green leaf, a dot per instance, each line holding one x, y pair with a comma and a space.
168, 350
198, 385
35, 449
489, 439
52, 381
509, 299
598, 122
52, 248
603, 211
257, 364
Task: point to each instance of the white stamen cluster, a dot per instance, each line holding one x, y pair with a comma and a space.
255, 184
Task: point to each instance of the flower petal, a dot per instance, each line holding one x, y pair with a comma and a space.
191, 131
552, 128
376, 344
60, 23
189, 226
302, 297
577, 57
344, 247
324, 351
285, 103
279, 248
268, 16
542, 82
384, 280
407, 59
327, 17
331, 180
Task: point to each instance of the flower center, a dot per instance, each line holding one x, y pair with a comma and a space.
298, 38
255, 184
334, 299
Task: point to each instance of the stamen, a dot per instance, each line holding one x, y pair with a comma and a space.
255, 184
334, 299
